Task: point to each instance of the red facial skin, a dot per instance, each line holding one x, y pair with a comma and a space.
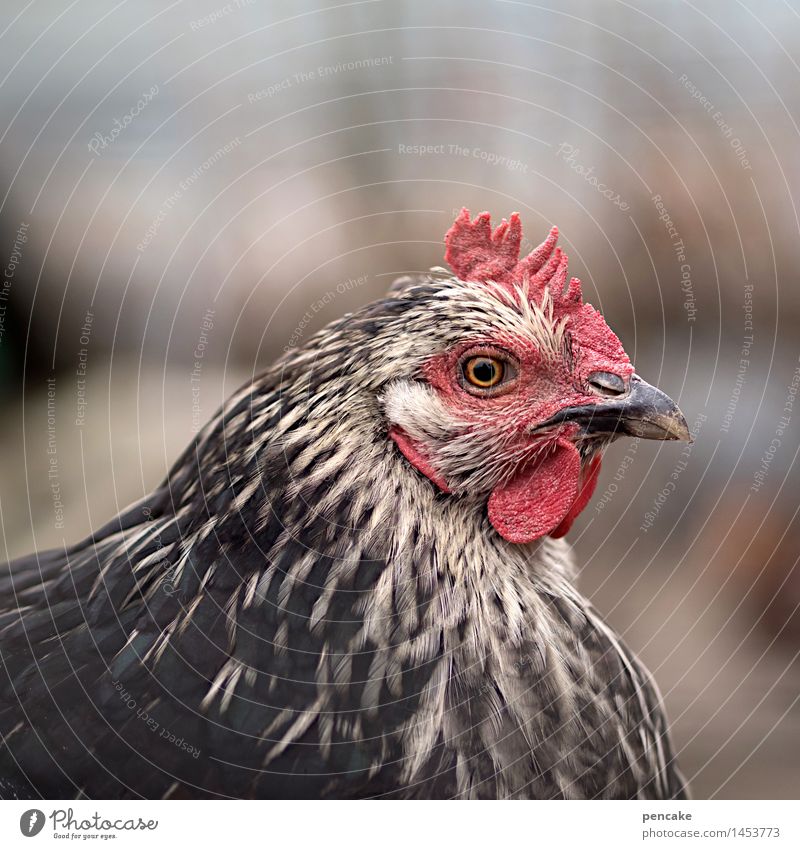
544, 385
546, 495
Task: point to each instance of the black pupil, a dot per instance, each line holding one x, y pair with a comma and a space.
484, 371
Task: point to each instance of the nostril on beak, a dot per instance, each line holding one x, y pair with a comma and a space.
607, 384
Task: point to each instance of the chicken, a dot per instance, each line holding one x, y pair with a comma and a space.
354, 583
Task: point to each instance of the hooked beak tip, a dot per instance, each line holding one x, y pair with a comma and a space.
659, 426
651, 414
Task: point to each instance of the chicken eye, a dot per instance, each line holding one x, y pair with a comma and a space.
484, 372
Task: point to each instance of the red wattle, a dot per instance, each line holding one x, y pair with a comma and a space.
543, 497
585, 492
539, 497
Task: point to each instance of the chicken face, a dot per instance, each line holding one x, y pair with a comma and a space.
519, 407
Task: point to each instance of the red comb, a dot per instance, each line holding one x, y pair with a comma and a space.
478, 254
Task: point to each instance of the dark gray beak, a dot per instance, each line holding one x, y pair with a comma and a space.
642, 411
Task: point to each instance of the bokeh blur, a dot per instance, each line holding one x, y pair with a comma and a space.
189, 187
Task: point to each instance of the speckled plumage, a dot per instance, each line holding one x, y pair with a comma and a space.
297, 612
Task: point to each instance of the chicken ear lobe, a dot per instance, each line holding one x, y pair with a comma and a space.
416, 457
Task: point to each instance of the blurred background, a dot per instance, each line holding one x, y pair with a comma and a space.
188, 187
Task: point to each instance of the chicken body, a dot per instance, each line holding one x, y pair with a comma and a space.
300, 612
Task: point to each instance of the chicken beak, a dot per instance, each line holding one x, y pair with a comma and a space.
649, 413
643, 411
